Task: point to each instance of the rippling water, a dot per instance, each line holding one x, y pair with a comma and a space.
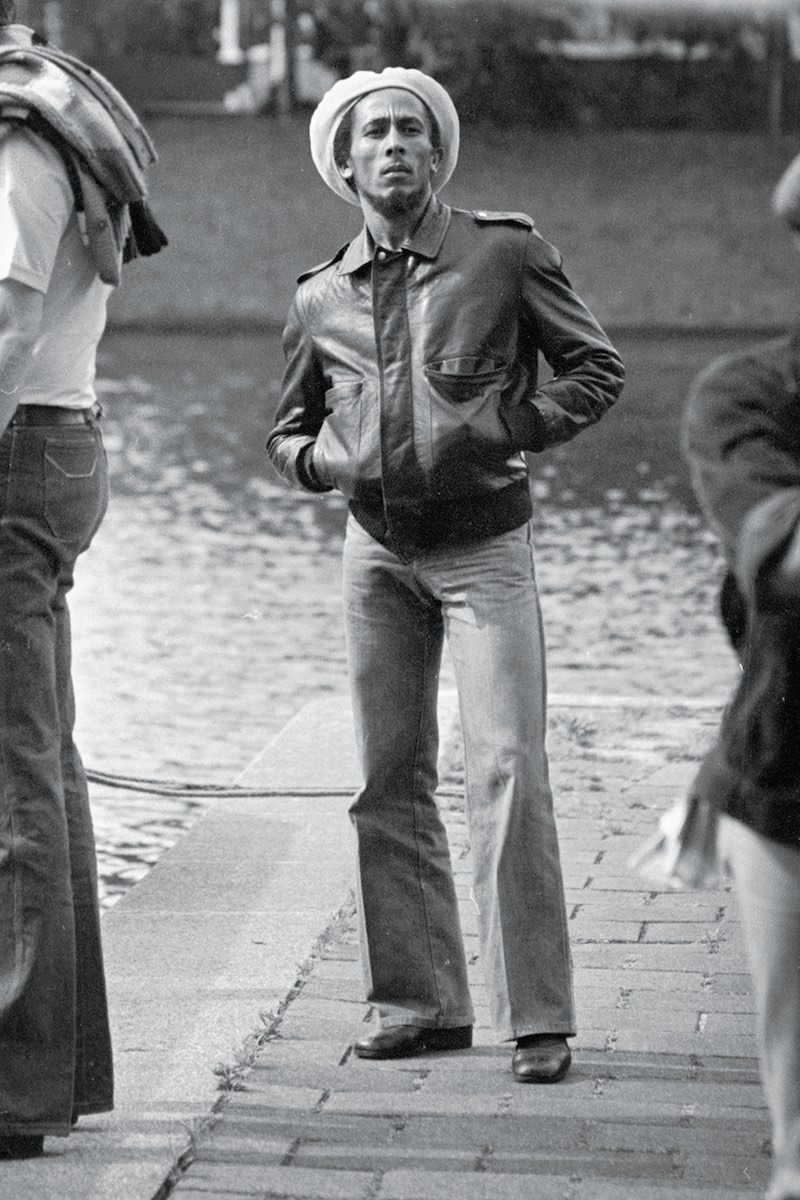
208, 610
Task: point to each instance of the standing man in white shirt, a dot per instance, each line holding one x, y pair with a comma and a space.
65, 227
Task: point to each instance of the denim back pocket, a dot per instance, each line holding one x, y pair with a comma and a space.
75, 490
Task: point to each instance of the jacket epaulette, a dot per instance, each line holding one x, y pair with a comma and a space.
321, 266
510, 218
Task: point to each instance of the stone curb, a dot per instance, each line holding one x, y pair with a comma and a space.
213, 938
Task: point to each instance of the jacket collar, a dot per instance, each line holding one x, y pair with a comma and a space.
425, 241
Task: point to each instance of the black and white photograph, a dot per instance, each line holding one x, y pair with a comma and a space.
399, 597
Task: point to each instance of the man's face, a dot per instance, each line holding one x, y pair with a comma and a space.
392, 159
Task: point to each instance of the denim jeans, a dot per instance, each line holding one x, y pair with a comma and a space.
767, 879
55, 1049
483, 597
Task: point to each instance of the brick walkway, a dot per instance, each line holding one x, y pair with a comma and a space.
663, 1100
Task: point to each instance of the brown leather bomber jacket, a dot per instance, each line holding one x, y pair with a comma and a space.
411, 376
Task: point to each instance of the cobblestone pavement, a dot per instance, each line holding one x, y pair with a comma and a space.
663, 1100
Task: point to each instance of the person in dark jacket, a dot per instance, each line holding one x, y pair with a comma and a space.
411, 386
742, 439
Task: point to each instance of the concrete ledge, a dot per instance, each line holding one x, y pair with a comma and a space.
210, 939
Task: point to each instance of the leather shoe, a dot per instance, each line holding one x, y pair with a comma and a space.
21, 1145
541, 1058
405, 1041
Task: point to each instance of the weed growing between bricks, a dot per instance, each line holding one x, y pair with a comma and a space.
232, 1074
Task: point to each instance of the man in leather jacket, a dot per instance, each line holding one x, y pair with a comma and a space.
411, 387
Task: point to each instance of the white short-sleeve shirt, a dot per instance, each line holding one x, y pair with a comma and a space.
41, 246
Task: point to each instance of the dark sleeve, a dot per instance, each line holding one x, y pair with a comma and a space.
588, 373
741, 437
301, 410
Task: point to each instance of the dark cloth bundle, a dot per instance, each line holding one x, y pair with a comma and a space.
106, 150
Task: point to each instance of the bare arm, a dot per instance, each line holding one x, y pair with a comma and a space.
20, 320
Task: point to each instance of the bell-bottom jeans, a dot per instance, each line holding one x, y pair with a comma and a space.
483, 597
55, 1048
767, 880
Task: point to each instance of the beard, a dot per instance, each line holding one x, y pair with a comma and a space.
397, 203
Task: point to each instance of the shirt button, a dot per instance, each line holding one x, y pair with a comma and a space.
381, 255
411, 261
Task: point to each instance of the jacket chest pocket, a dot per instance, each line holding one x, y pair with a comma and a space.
465, 395
347, 450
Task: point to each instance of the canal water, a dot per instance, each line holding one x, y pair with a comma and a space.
207, 612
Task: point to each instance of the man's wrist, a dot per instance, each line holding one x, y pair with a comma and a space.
526, 426
307, 473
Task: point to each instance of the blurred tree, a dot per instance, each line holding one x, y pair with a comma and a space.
119, 27
31, 12
686, 69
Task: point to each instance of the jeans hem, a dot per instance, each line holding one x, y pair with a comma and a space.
90, 1108
36, 1129
553, 1029
421, 1023
785, 1185
54, 1128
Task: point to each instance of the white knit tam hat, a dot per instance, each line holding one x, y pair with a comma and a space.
346, 92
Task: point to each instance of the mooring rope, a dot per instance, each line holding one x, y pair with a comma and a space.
209, 791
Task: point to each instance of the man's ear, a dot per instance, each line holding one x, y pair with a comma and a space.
345, 170
436, 160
